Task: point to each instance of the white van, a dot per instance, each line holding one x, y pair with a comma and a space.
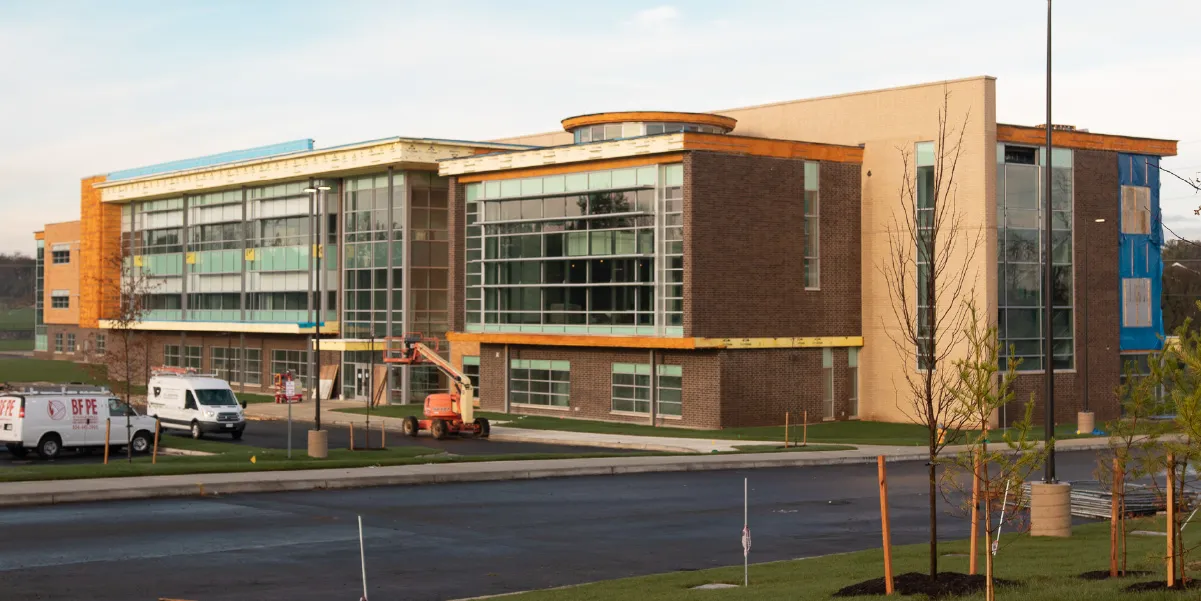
202, 404
52, 419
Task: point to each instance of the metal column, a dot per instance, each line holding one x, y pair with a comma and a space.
391, 383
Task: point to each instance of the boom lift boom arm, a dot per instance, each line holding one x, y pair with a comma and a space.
414, 352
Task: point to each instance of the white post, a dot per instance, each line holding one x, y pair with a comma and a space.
288, 400
746, 552
362, 558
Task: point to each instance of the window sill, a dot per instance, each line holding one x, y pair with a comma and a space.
672, 417
529, 406
630, 414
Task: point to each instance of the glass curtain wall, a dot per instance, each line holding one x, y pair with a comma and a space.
1020, 255
40, 342
577, 253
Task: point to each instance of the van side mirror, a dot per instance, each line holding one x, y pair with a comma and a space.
243, 404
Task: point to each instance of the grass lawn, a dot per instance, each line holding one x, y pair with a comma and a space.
47, 370
236, 458
16, 345
837, 433
1048, 569
252, 398
17, 319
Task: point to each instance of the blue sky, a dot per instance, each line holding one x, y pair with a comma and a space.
92, 87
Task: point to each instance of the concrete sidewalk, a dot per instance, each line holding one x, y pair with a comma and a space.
330, 416
146, 487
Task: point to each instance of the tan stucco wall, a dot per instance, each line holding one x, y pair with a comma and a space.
884, 122
62, 277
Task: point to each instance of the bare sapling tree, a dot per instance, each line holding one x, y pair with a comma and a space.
997, 472
1179, 373
128, 352
1135, 449
928, 271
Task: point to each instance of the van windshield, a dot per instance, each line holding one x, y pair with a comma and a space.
216, 397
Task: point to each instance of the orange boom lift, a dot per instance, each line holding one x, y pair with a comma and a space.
446, 414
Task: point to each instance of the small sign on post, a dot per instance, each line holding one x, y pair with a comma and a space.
746, 536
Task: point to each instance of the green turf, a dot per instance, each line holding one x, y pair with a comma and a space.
17, 319
16, 345
1047, 569
45, 370
846, 432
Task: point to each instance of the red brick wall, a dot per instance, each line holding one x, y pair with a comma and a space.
744, 248
759, 386
591, 382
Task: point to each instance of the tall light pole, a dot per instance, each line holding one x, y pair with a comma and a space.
318, 235
1048, 281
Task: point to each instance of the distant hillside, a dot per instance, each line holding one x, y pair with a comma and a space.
16, 281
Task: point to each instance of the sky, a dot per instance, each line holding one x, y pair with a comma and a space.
94, 87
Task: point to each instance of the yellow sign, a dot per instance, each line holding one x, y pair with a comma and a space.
137, 261
319, 251
190, 259
250, 254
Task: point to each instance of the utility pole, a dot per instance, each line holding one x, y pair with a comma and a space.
1048, 282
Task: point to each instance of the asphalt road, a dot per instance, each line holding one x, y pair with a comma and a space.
274, 435
455, 540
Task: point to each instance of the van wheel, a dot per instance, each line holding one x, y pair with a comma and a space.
17, 450
50, 446
140, 443
196, 433
438, 427
410, 426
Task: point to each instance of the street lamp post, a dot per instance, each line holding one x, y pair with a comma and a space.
1048, 282
318, 439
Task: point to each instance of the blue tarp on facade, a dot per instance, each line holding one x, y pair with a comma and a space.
232, 156
1140, 254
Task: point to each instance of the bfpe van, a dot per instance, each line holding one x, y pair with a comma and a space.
53, 419
201, 404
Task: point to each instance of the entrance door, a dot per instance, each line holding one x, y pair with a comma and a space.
362, 382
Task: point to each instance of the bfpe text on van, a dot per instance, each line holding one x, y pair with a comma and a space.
51, 420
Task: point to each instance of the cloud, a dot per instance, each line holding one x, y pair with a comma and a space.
654, 17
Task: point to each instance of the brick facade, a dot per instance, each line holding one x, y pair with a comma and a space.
744, 220
722, 389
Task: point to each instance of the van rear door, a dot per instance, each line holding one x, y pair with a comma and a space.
12, 412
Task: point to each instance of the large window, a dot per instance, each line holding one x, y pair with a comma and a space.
367, 258
576, 252
617, 131
853, 374
1136, 302
60, 299
471, 369
101, 343
193, 356
293, 361
631, 390
1020, 219
215, 236
171, 356
828, 383
229, 364
924, 207
812, 228
60, 254
545, 383
58, 342
162, 241
71, 343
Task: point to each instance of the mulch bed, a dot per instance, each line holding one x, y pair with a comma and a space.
948, 584
1104, 574
1160, 585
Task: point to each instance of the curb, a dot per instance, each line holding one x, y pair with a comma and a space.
210, 484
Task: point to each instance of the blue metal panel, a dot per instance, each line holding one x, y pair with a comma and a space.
232, 156
1139, 255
